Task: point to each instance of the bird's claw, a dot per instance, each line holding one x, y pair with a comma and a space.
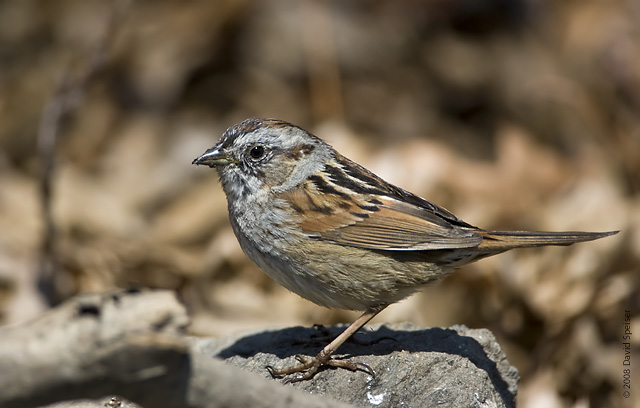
309, 366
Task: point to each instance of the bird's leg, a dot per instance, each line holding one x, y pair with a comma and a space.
325, 335
309, 366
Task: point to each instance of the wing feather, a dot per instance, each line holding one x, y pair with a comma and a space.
377, 222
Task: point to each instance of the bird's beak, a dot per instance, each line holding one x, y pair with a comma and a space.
213, 157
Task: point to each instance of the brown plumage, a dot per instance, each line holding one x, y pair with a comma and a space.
331, 231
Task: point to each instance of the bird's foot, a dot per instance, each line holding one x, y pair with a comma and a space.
309, 366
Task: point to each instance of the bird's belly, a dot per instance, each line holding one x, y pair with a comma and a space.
337, 276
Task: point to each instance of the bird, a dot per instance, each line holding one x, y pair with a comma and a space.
336, 234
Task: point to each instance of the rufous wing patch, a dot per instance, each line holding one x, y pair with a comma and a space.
375, 222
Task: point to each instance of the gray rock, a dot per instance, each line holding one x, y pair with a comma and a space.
415, 367
132, 344
126, 349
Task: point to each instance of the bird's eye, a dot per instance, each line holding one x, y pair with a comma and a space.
256, 152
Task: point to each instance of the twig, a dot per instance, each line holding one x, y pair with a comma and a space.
67, 95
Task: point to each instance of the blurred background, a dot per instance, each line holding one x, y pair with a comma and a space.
513, 114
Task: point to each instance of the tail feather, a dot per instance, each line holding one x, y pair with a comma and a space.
504, 240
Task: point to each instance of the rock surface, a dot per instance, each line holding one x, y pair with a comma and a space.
129, 348
414, 366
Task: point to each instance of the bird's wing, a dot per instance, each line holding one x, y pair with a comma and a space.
402, 222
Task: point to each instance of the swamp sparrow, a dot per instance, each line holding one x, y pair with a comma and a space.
336, 234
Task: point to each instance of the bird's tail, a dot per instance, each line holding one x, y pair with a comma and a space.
504, 240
